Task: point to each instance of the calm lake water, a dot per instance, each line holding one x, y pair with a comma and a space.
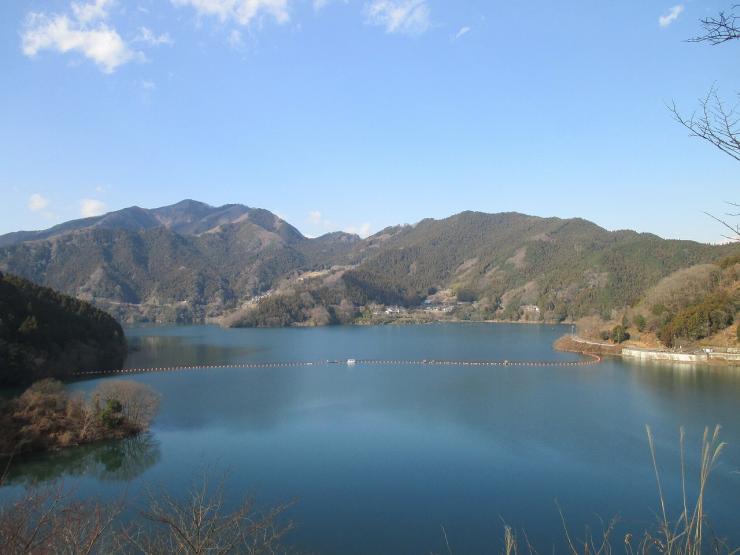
380, 458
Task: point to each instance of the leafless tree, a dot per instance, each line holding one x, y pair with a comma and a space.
86, 411
723, 28
734, 229
139, 402
48, 520
717, 121
201, 523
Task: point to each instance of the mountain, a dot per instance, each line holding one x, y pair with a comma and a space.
189, 261
486, 266
188, 217
47, 334
565, 267
176, 263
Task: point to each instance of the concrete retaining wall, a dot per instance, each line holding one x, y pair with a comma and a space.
664, 355
727, 355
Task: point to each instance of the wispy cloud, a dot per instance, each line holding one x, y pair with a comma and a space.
325, 225
410, 17
242, 12
84, 32
462, 32
320, 4
37, 202
363, 230
315, 217
235, 39
91, 207
670, 16
94, 11
147, 36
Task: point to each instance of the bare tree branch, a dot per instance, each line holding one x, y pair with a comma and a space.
201, 524
717, 30
713, 122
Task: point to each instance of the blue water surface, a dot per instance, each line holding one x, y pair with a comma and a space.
380, 458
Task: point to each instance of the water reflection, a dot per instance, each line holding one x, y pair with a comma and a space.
403, 448
109, 461
173, 350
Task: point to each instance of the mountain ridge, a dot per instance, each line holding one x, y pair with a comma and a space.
190, 261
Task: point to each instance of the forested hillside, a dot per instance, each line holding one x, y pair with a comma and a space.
691, 305
568, 268
178, 263
189, 261
47, 334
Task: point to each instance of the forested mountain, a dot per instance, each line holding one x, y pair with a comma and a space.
565, 267
46, 334
176, 263
190, 260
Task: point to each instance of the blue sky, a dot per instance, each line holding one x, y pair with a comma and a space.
360, 114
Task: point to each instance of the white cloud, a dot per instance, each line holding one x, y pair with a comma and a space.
146, 36
37, 202
235, 39
462, 32
670, 16
320, 4
88, 13
84, 33
148, 85
363, 230
315, 217
91, 207
411, 17
240, 11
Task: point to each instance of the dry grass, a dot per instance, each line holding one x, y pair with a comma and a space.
685, 534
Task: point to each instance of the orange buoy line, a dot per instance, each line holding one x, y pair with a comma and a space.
593, 359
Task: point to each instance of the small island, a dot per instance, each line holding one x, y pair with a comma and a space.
46, 417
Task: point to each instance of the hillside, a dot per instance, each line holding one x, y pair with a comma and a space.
46, 334
191, 261
567, 268
484, 267
177, 263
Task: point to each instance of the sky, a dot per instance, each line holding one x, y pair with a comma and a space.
359, 114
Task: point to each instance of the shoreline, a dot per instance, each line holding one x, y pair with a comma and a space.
390, 322
574, 344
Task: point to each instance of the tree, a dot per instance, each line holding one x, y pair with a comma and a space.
639, 322
723, 28
49, 520
135, 402
715, 121
619, 334
52, 520
199, 523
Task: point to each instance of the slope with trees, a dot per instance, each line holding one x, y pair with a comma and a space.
44, 333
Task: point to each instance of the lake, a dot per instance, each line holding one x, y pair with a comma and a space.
380, 458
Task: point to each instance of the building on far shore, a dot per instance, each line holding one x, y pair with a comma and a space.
530, 311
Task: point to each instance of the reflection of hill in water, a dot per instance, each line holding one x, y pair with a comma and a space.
119, 460
164, 350
664, 374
